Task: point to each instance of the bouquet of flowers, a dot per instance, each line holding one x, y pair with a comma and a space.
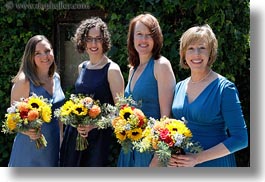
83, 110
167, 136
129, 124
28, 113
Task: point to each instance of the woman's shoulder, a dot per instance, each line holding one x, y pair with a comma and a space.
21, 79
57, 75
224, 82
162, 64
83, 63
113, 65
20, 88
162, 60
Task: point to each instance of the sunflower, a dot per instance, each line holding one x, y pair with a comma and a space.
126, 112
135, 134
35, 103
67, 108
80, 110
12, 120
177, 126
121, 136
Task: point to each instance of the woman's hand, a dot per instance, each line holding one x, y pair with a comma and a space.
33, 134
84, 129
188, 160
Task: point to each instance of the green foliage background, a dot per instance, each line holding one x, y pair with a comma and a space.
230, 20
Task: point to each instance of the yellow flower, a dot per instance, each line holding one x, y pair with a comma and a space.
177, 126
155, 143
67, 108
12, 120
125, 112
46, 113
35, 103
146, 143
135, 134
120, 135
147, 131
79, 110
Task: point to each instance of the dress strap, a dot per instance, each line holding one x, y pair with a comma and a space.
84, 64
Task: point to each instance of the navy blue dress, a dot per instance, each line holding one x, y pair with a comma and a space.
24, 152
93, 82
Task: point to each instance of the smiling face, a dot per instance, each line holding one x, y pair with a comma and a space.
197, 54
94, 42
143, 41
43, 56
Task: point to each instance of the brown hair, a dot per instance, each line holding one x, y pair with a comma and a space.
152, 23
82, 32
194, 34
28, 66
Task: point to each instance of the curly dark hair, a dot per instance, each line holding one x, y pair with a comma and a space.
83, 30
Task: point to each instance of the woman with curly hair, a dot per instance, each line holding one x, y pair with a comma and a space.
102, 78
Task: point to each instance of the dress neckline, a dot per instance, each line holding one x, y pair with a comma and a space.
202, 92
134, 69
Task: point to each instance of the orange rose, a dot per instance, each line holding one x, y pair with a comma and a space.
23, 107
115, 121
140, 116
158, 126
33, 115
94, 111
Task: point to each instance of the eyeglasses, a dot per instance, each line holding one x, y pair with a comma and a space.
92, 39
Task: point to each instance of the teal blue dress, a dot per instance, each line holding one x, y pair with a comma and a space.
215, 116
146, 91
24, 152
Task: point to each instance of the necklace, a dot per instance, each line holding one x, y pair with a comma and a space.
202, 78
98, 63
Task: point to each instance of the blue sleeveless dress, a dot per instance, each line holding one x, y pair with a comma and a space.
146, 91
91, 82
209, 116
24, 152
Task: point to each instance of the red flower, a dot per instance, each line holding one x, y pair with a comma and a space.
165, 137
